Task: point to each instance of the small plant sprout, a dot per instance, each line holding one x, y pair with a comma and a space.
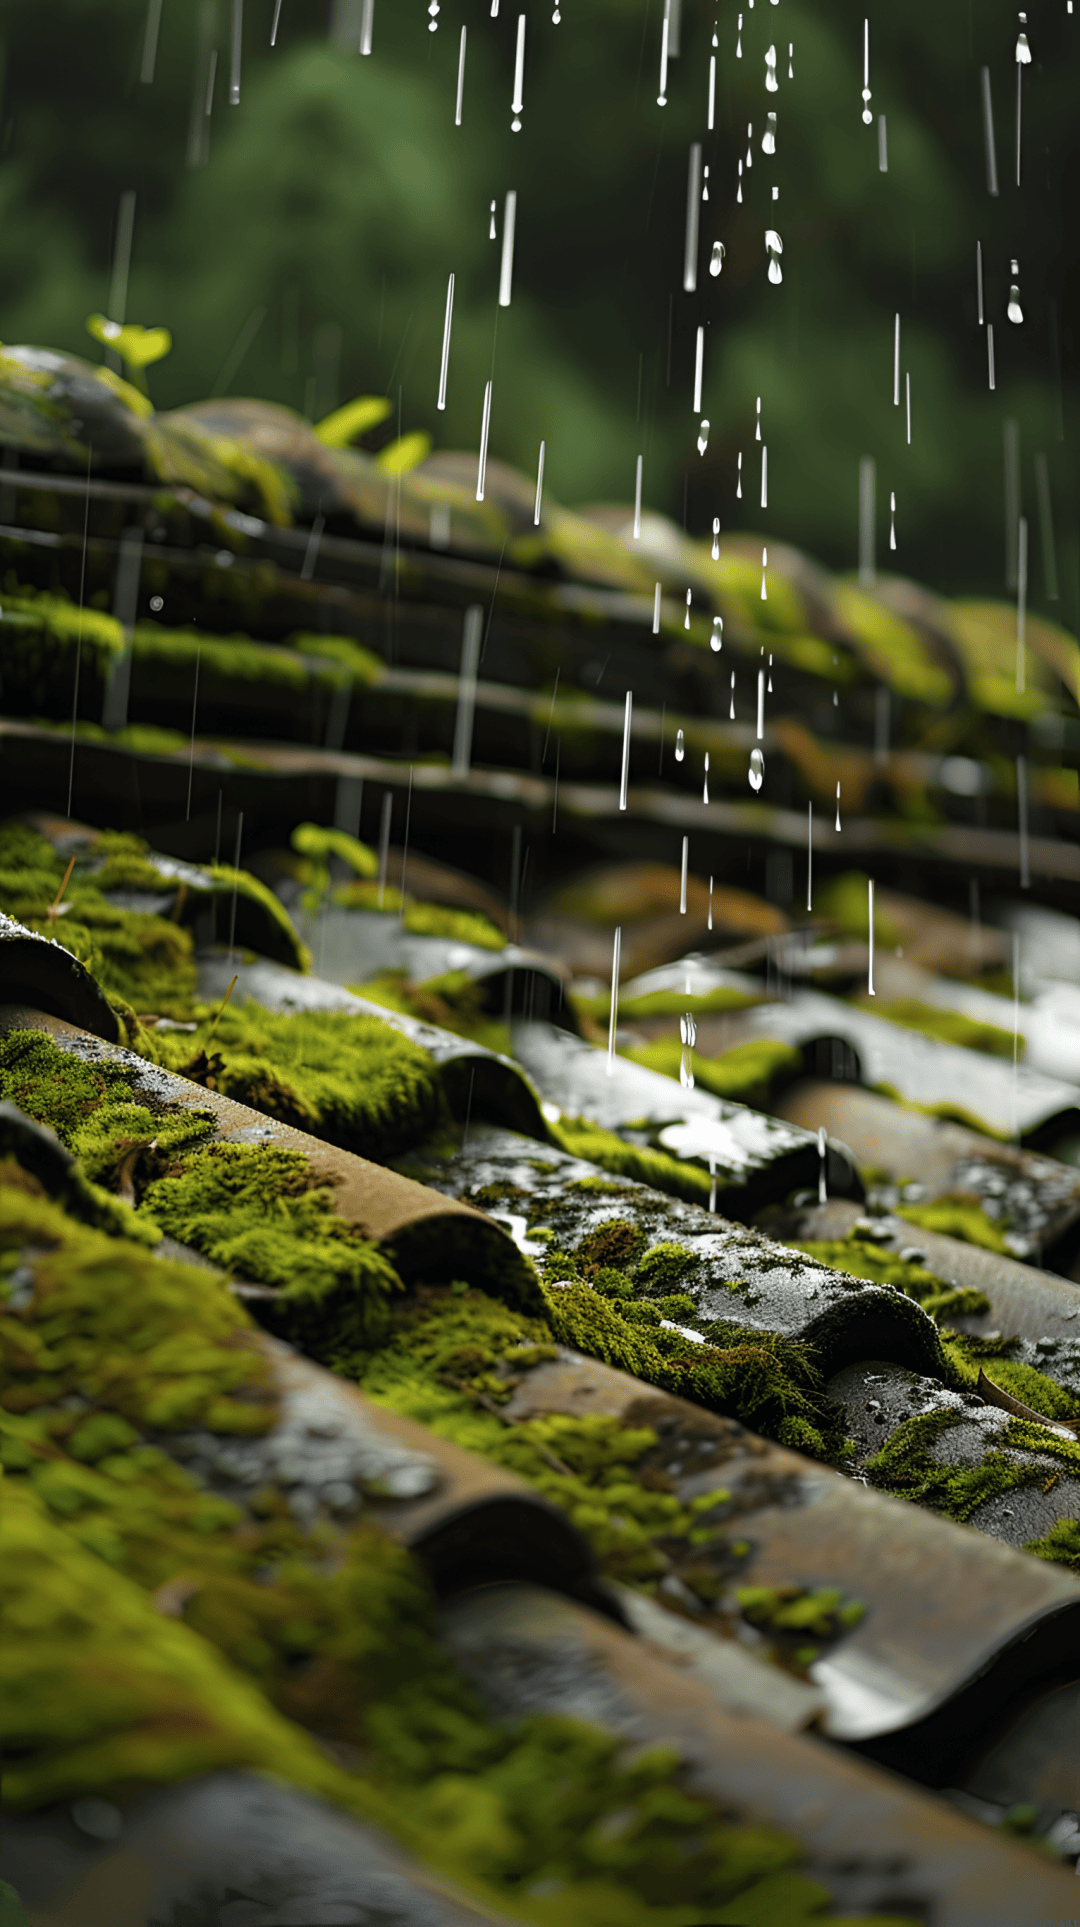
137, 347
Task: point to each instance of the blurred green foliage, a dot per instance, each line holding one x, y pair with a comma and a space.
297, 244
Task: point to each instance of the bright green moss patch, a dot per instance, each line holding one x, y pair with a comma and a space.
455, 1002
256, 1210
423, 919
861, 1258
967, 1354
748, 1072
799, 1611
951, 1026
181, 1361
353, 1080
100, 1693
589, 1141
1061, 1545
668, 1003
905, 1465
151, 1631
362, 664
959, 1216
948, 1113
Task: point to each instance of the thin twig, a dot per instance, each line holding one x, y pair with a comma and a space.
54, 907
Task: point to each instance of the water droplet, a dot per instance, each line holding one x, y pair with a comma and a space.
738, 191
764, 566
757, 431
771, 82
686, 1075
757, 769
680, 746
515, 125
731, 712
738, 483
556, 17
1023, 51
790, 59
716, 538
768, 138
738, 43
703, 438
491, 228
688, 1029
835, 700
705, 791
1015, 311
717, 260
774, 248
686, 618
892, 520
705, 186
838, 806
716, 640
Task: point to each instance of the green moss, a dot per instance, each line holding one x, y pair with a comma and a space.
845, 901
423, 919
949, 1025
905, 1465
823, 1613
228, 881
668, 1003
230, 661
589, 1141
861, 1258
947, 1112
256, 1209
959, 1216
179, 1363
455, 1002
967, 1354
353, 1080
1061, 1545
100, 1693
362, 664
749, 1072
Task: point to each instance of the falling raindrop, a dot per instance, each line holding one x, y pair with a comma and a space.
738, 484
705, 790
516, 105
716, 640
835, 700
771, 82
1015, 311
703, 438
757, 430
764, 566
680, 746
756, 772
838, 806
688, 1029
790, 61
491, 227
731, 712
716, 538
738, 191
717, 260
749, 143
823, 1196
774, 248
871, 992
892, 519
705, 186
866, 114
556, 17
656, 612
686, 618
433, 10
686, 1075
710, 903
768, 138
1023, 51
738, 43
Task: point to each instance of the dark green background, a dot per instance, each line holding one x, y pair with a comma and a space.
338, 195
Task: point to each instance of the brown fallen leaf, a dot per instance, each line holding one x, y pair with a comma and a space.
994, 1395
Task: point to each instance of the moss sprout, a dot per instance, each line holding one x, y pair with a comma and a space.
958, 1216
1061, 1545
905, 1465
589, 1141
454, 1001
